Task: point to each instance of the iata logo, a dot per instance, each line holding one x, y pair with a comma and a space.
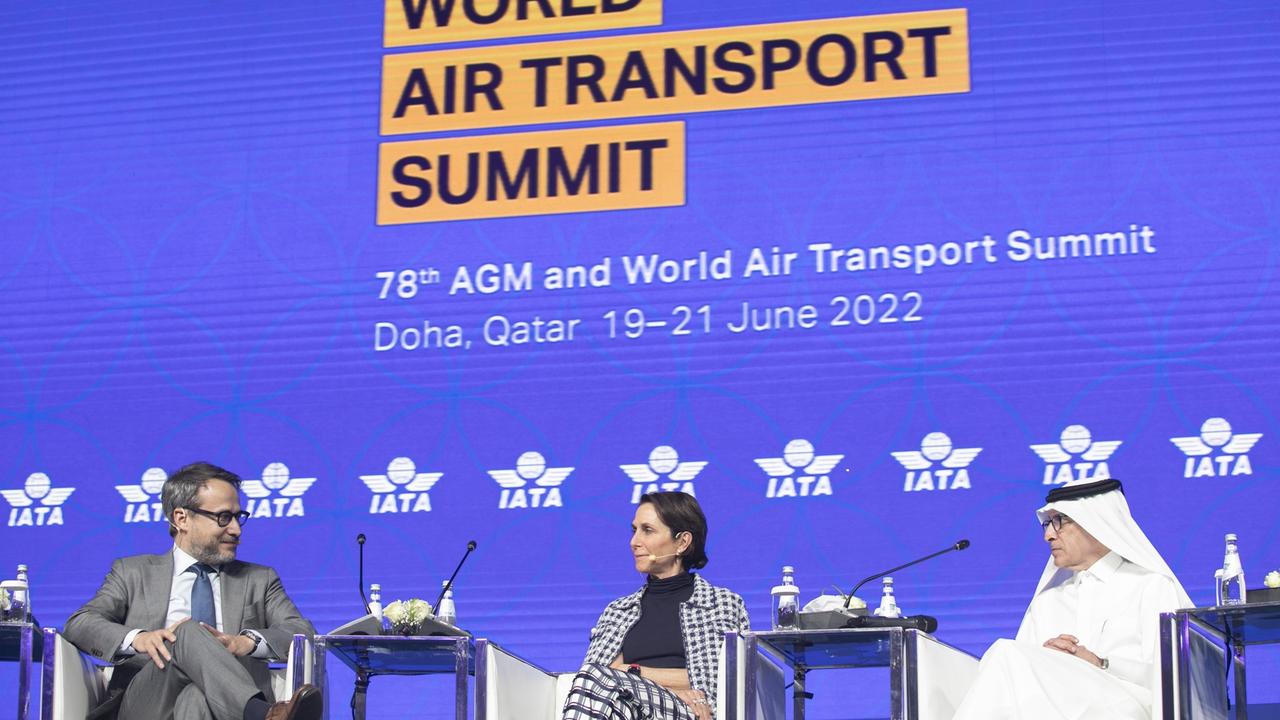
663, 473
23, 508
799, 472
402, 489
1077, 457
143, 500
1216, 435
531, 467
937, 448
276, 481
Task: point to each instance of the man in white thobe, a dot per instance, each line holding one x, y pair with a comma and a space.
1088, 646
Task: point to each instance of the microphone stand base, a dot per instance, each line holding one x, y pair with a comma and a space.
830, 619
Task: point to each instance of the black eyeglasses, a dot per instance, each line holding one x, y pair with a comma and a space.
223, 518
1057, 521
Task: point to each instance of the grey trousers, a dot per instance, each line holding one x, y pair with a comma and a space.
202, 682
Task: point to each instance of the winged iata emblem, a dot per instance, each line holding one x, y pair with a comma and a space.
533, 470
1216, 432
1097, 451
54, 496
798, 456
421, 482
276, 477
642, 473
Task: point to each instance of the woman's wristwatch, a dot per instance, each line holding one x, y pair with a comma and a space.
634, 669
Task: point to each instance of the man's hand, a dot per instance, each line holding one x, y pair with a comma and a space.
152, 642
696, 701
238, 645
1070, 644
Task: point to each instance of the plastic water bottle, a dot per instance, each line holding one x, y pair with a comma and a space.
447, 612
888, 604
786, 601
375, 601
20, 601
1230, 579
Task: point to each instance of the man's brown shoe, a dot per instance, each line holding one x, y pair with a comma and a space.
306, 704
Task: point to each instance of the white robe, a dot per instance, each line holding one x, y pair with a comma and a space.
1113, 608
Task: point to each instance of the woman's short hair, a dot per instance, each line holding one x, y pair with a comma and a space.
682, 513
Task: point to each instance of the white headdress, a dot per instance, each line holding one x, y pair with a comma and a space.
1100, 508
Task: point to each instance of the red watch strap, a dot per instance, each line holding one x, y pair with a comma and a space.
633, 668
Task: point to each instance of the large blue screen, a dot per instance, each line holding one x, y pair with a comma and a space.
858, 328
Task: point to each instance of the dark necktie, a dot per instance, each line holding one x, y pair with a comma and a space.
202, 596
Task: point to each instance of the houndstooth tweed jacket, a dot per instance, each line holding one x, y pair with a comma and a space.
704, 619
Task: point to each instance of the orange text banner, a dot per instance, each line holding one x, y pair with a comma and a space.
816, 61
563, 171
423, 22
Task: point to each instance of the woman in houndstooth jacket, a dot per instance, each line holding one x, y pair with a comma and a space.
654, 653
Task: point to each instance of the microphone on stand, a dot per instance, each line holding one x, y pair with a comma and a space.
360, 541
471, 545
960, 545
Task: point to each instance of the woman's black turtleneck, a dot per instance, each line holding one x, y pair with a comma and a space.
655, 640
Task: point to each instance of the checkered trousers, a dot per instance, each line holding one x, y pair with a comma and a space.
603, 693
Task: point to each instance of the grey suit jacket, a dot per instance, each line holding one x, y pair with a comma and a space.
135, 595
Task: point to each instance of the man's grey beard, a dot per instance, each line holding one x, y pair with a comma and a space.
210, 555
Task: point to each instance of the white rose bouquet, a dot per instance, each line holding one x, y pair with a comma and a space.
406, 616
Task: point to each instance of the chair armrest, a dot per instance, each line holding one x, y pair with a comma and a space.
943, 677
72, 682
509, 687
296, 670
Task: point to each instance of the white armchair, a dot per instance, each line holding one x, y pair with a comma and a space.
74, 683
509, 687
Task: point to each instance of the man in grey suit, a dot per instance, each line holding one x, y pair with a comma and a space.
190, 630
